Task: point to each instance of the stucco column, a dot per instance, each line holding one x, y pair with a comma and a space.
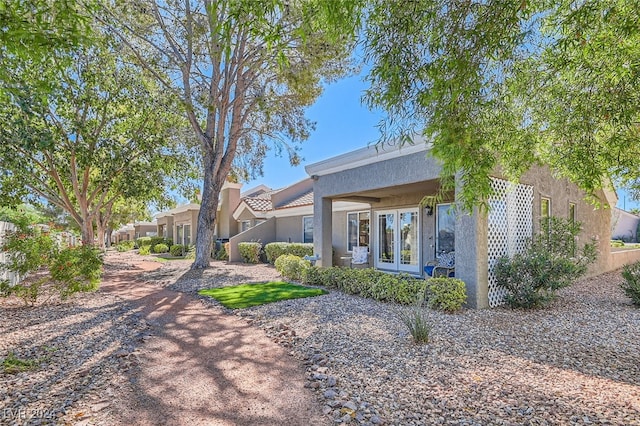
471, 257
322, 220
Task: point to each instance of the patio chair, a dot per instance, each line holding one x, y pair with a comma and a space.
443, 266
360, 256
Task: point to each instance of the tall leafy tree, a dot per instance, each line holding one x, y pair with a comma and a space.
104, 131
508, 84
244, 71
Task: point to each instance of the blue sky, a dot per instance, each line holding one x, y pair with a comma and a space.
343, 124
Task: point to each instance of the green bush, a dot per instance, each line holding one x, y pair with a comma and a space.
45, 268
161, 248
176, 250
76, 269
221, 254
275, 250
417, 321
617, 243
550, 262
143, 242
144, 250
378, 285
154, 241
446, 294
250, 251
191, 253
631, 283
291, 266
125, 245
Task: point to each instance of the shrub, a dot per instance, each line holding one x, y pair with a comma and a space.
45, 268
125, 245
221, 253
161, 248
291, 267
631, 283
416, 320
275, 250
144, 250
77, 269
176, 250
191, 253
250, 251
446, 294
548, 264
617, 243
154, 241
144, 242
378, 285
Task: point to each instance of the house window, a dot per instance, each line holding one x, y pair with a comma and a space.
307, 229
445, 229
245, 225
545, 208
358, 230
179, 234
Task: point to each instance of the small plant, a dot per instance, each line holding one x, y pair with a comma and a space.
446, 294
161, 248
416, 319
143, 242
617, 243
76, 269
177, 250
13, 364
250, 251
631, 283
144, 250
550, 262
291, 267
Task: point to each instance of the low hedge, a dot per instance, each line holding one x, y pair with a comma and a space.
143, 242
445, 294
275, 250
250, 251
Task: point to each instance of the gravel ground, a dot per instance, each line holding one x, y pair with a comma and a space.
577, 362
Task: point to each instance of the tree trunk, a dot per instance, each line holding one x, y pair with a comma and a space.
86, 228
101, 235
108, 237
207, 217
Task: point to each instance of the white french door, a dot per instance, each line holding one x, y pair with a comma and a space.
397, 244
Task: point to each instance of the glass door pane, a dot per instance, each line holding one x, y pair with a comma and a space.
445, 229
386, 244
409, 241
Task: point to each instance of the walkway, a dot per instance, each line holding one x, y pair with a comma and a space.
205, 367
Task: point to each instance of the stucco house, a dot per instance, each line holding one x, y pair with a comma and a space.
282, 215
624, 225
389, 183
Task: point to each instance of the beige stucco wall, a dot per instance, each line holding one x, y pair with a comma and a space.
289, 229
166, 223
596, 221
189, 217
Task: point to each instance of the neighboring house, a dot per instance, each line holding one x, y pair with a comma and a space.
180, 224
125, 233
624, 225
145, 229
282, 215
401, 235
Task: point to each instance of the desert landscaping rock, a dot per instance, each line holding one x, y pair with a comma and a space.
575, 363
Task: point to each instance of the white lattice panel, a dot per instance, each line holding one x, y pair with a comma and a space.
510, 227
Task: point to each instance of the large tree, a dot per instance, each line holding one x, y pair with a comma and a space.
102, 132
504, 83
244, 71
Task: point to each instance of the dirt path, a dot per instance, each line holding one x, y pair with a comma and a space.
204, 367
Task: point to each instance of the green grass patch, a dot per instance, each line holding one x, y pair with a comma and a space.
246, 295
13, 364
